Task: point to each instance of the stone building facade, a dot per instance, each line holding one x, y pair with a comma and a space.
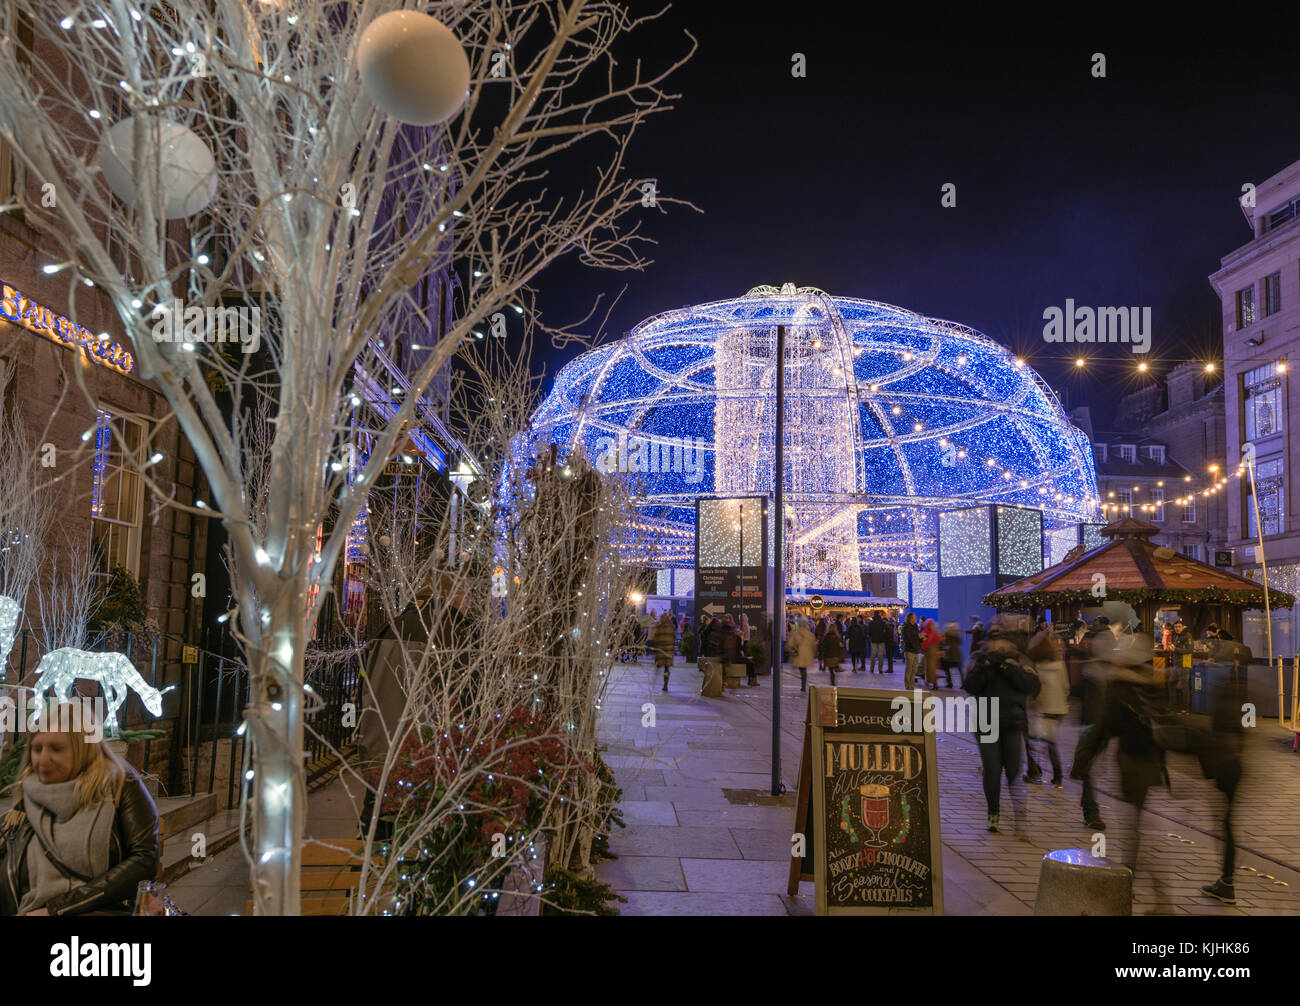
1259, 287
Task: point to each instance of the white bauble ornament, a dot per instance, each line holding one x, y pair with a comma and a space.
384, 540
183, 163
413, 67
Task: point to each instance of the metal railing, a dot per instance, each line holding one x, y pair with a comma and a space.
213, 693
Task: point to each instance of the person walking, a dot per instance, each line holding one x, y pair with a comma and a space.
1051, 704
931, 648
950, 659
891, 642
1099, 643
976, 633
832, 651
663, 641
727, 640
803, 647
708, 645
1130, 697
877, 631
858, 645
1002, 674
820, 631
911, 650
689, 643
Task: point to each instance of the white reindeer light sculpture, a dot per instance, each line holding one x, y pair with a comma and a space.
60, 669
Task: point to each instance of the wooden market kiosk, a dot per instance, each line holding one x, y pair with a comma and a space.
1160, 585
837, 602
1150, 578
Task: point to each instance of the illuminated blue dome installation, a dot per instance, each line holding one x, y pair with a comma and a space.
890, 417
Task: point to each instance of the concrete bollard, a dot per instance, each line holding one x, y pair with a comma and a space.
736, 674
1075, 882
711, 686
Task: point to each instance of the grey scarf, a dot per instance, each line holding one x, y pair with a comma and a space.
79, 838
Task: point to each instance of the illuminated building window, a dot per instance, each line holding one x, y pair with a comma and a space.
1246, 307
1272, 294
1263, 396
1189, 512
1270, 483
1158, 500
115, 497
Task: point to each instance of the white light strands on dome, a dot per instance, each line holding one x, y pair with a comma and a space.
173, 154
413, 67
876, 445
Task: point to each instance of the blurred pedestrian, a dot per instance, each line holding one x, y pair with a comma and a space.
877, 633
911, 650
1099, 643
803, 647
1051, 704
931, 649
663, 641
832, 651
858, 644
950, 659
1131, 693
1003, 675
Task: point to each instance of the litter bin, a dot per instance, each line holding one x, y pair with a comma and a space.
1208, 678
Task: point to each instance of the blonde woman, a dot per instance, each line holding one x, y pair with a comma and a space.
83, 831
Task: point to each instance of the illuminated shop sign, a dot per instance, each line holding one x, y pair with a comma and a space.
40, 319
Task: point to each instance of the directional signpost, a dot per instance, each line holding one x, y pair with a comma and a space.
727, 582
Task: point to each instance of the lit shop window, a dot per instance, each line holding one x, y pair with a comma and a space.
1270, 484
115, 497
1263, 394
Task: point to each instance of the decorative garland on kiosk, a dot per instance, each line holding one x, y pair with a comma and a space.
1133, 595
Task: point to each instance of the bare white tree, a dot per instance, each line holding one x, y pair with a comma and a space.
67, 595
327, 215
489, 747
28, 503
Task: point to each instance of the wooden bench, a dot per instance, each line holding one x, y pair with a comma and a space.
331, 870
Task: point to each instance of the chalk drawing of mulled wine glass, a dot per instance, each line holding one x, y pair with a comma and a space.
875, 812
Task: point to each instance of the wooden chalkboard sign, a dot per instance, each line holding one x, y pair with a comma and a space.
868, 806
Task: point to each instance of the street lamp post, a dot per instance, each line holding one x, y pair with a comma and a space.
740, 616
1263, 565
778, 556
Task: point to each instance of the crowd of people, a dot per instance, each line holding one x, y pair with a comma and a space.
1125, 698
1123, 695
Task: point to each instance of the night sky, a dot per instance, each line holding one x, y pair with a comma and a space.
1118, 191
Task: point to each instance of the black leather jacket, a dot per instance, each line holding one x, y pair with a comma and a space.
132, 857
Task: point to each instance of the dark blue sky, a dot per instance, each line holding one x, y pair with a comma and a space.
1118, 191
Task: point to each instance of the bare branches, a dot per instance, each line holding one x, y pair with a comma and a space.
335, 228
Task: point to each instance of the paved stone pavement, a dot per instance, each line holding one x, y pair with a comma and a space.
704, 837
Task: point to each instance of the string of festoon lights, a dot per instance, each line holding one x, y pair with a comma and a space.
1220, 483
